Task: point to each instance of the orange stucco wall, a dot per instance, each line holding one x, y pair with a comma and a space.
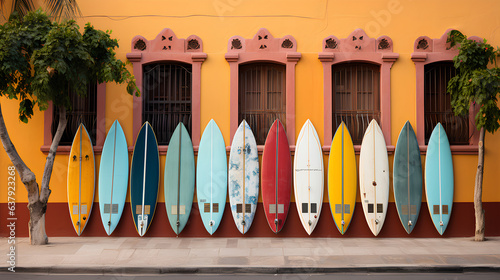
309, 22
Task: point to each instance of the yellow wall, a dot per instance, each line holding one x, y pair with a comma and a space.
215, 21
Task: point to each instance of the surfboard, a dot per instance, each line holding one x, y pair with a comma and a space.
113, 177
439, 178
243, 177
308, 176
374, 177
179, 178
81, 179
144, 179
276, 177
342, 184
407, 178
211, 175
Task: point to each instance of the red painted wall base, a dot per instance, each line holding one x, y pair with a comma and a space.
58, 223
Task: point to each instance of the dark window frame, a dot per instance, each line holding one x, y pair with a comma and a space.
83, 110
262, 79
355, 110
437, 104
167, 98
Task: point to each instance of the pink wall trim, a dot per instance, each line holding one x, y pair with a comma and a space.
101, 125
426, 51
167, 47
358, 47
263, 47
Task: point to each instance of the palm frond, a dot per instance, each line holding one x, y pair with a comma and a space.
63, 9
22, 7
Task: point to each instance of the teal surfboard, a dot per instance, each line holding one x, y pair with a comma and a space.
144, 179
179, 178
113, 177
439, 178
407, 177
211, 175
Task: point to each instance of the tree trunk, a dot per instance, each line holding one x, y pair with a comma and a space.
478, 190
36, 225
37, 199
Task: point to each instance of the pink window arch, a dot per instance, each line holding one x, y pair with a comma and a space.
263, 47
427, 51
358, 47
164, 48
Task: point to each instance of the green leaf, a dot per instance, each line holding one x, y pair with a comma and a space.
48, 61
475, 83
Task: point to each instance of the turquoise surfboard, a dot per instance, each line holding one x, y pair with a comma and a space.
113, 177
407, 178
211, 175
439, 178
179, 178
144, 179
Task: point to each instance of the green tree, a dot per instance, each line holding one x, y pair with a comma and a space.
477, 83
42, 61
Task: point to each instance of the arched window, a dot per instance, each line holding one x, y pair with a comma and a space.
262, 88
357, 84
434, 68
168, 72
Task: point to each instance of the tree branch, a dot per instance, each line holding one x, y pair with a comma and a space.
49, 163
27, 176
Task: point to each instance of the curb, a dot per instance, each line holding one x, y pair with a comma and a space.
255, 270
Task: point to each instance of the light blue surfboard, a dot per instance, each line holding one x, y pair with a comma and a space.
211, 175
243, 177
113, 177
179, 178
439, 178
407, 178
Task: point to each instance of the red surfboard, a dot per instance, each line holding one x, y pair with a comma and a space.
276, 177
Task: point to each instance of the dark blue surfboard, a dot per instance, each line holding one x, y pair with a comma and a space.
144, 179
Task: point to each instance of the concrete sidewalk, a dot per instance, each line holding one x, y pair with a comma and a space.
127, 255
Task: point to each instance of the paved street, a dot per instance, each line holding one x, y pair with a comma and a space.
345, 276
124, 255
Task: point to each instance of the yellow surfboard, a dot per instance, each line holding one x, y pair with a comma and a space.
342, 184
81, 179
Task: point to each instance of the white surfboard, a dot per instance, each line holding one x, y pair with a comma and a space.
308, 175
243, 177
374, 177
